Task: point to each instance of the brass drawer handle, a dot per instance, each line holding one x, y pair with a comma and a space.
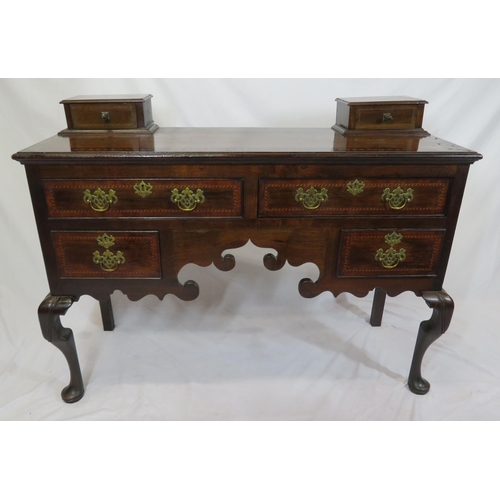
355, 187
391, 258
397, 199
311, 199
143, 189
187, 200
108, 261
99, 200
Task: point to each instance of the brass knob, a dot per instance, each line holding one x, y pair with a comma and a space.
105, 116
99, 200
311, 199
387, 117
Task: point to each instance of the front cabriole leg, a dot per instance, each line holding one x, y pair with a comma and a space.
430, 330
48, 313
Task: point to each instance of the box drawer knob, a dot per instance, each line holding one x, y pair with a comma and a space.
397, 198
99, 200
187, 200
311, 199
387, 117
105, 116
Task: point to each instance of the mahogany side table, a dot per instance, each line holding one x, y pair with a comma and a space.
122, 204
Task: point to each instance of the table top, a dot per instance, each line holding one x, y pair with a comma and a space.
192, 142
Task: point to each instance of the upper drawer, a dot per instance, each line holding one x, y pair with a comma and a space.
382, 113
104, 116
124, 113
390, 117
310, 197
143, 197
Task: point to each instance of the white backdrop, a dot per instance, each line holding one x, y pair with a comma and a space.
250, 348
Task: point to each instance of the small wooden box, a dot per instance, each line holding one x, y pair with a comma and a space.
361, 115
109, 113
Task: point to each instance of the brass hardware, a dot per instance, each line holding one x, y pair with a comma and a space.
143, 189
99, 200
391, 258
106, 240
187, 200
387, 117
108, 261
105, 116
311, 199
355, 187
393, 238
397, 199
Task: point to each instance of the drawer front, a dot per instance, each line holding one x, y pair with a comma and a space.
395, 197
389, 252
144, 198
113, 254
390, 117
103, 116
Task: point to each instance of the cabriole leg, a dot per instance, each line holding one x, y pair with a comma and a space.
430, 330
378, 307
48, 313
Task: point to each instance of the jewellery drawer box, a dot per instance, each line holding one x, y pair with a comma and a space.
379, 114
123, 113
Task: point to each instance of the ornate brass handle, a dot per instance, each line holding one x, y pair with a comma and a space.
311, 199
391, 258
99, 200
397, 199
187, 200
108, 261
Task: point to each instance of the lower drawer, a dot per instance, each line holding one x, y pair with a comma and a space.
115, 254
389, 252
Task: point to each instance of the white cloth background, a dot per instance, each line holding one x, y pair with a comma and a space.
250, 347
